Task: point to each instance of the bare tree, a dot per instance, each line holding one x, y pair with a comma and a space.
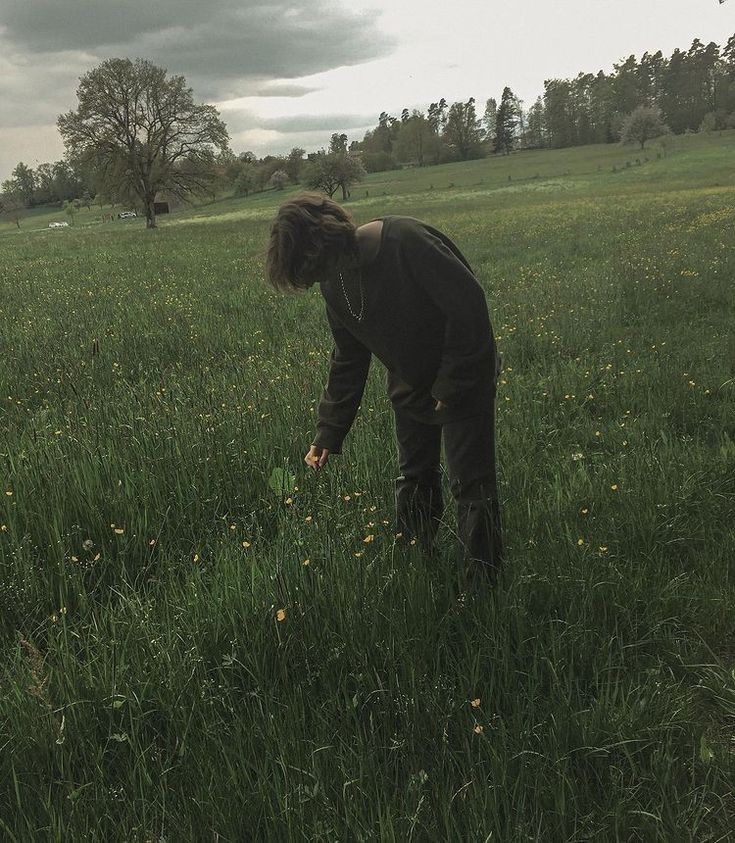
143, 132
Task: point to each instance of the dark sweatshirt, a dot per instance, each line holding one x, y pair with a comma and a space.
425, 318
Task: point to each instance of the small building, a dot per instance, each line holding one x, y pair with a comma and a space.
166, 203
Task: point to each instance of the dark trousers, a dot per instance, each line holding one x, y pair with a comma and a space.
469, 450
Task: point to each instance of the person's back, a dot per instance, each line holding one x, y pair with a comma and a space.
400, 289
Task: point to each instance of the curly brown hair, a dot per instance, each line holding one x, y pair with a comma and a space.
309, 232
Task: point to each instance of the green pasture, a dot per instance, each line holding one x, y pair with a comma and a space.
203, 641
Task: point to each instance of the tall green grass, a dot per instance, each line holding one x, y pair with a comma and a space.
150, 384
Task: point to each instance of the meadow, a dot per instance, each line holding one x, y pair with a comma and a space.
201, 640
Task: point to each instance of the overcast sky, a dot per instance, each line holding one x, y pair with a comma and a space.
287, 74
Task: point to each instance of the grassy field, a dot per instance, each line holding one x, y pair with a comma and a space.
191, 653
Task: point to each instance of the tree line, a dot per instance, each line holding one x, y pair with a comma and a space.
692, 90
151, 136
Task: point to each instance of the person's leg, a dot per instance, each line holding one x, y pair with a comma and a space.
470, 454
418, 491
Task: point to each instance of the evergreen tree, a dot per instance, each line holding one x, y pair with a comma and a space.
507, 122
437, 116
21, 185
338, 143
673, 93
558, 108
490, 118
536, 128
462, 131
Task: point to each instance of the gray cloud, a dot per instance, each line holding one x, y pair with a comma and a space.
317, 122
34, 90
220, 45
275, 89
226, 49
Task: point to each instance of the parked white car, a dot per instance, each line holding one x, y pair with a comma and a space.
58, 225
126, 215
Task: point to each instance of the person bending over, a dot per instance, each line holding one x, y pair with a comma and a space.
401, 290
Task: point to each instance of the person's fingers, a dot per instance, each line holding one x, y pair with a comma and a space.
312, 458
323, 457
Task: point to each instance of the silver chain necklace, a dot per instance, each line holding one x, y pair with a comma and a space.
362, 299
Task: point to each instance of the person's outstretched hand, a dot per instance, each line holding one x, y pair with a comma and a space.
317, 457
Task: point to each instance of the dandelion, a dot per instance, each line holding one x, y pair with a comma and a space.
580, 542
233, 526
3, 528
602, 549
9, 493
151, 542
614, 487
289, 501
75, 559
308, 519
475, 703
347, 498
584, 511
306, 562
369, 539
478, 730
87, 544
196, 557
119, 531
246, 545
281, 615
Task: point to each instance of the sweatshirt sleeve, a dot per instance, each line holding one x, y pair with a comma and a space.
439, 268
348, 369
